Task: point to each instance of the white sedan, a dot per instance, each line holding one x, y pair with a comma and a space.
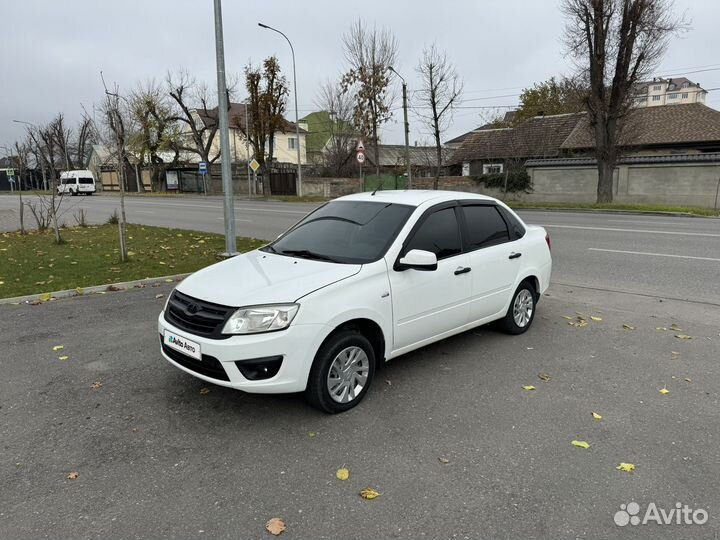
359, 281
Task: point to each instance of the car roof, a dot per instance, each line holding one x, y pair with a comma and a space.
414, 197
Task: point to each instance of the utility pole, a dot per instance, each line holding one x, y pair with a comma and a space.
230, 240
297, 126
407, 128
247, 148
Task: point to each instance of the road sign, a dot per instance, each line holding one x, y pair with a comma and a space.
10, 172
203, 167
360, 146
254, 165
360, 156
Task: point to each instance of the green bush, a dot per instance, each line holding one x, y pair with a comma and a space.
516, 180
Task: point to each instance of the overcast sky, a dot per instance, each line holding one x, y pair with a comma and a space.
52, 52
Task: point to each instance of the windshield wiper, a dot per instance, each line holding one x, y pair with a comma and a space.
307, 254
269, 248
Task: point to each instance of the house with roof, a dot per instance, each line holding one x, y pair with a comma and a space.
659, 91
326, 133
286, 139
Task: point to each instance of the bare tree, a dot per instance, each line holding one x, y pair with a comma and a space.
616, 43
157, 131
117, 117
267, 98
22, 155
46, 147
369, 52
196, 114
338, 127
439, 94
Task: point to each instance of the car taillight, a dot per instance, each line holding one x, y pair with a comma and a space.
547, 239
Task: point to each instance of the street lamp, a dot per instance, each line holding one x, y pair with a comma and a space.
297, 126
407, 127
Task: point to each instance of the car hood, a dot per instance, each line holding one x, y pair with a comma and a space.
258, 277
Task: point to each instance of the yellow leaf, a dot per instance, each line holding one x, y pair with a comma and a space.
443, 460
96, 385
2, 283
312, 433
528, 387
58, 347
596, 319
79, 291
342, 474
661, 328
45, 297
275, 526
566, 317
73, 475
664, 391
204, 391
626, 467
64, 357
369, 493
628, 327
580, 444
169, 281
683, 336
596, 416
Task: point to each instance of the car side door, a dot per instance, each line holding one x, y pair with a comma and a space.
428, 303
494, 253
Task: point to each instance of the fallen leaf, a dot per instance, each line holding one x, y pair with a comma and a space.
528, 387
675, 328
580, 444
661, 328
443, 460
342, 474
2, 283
674, 355
169, 281
688, 379
312, 433
64, 357
58, 348
369, 493
388, 382
567, 317
626, 467
159, 296
73, 475
596, 319
79, 291
596, 416
664, 391
275, 526
112, 288
96, 385
544, 377
204, 391
46, 297
628, 327
683, 336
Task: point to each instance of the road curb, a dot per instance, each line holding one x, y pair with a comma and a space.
611, 211
95, 289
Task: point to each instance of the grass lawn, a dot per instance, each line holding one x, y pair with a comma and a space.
620, 207
33, 263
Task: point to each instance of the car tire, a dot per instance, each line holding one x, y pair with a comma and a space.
521, 312
342, 372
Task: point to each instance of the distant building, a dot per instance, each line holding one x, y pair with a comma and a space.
659, 91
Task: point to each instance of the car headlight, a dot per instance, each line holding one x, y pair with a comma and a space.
256, 319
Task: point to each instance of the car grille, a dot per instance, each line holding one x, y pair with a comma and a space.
197, 316
208, 366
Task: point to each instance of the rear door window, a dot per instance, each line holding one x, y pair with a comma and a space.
485, 226
86, 180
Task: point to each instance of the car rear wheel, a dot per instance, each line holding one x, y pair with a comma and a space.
342, 372
521, 312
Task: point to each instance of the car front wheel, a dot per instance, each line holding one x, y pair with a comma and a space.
342, 372
521, 312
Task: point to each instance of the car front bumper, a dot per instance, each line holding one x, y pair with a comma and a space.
297, 345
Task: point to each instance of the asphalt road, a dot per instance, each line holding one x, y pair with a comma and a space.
157, 458
664, 256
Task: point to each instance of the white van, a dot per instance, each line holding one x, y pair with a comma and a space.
76, 183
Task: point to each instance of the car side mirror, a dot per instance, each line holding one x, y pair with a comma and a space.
417, 259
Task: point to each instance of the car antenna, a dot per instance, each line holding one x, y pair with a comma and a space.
380, 185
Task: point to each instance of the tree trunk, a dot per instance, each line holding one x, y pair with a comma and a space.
606, 155
376, 151
606, 175
438, 150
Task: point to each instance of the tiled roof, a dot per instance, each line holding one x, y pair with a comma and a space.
236, 117
393, 155
706, 157
657, 126
537, 137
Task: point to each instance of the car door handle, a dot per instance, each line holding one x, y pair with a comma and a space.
515, 256
462, 270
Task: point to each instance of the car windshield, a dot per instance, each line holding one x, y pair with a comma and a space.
351, 232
